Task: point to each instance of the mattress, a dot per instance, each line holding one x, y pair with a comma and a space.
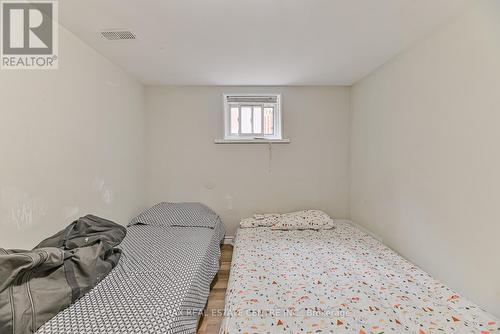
160, 285
338, 281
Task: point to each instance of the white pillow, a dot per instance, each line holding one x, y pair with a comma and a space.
260, 216
265, 220
304, 220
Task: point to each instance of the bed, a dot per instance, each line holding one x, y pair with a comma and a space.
337, 281
160, 285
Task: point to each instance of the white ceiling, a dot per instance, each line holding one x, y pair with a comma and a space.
255, 42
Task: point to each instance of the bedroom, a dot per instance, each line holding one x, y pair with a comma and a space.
381, 115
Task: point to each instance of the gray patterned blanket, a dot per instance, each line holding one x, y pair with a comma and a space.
160, 285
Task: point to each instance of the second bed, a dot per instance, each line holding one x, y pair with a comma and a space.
340, 280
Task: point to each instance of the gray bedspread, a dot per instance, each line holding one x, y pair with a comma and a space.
160, 285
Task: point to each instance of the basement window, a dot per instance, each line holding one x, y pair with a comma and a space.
252, 118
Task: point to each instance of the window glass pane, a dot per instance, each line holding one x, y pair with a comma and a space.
235, 123
257, 119
246, 119
268, 121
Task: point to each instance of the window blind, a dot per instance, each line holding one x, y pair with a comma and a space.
252, 99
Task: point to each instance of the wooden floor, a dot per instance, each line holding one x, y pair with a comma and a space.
210, 322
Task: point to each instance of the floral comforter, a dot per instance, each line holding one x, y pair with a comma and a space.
338, 281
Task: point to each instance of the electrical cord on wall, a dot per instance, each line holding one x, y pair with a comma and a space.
270, 157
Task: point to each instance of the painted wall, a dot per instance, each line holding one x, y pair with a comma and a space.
184, 164
425, 154
71, 143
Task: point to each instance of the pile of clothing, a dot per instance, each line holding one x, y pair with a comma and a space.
37, 284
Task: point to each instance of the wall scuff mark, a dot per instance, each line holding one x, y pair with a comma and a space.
20, 208
103, 189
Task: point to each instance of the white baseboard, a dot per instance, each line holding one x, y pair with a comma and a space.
228, 240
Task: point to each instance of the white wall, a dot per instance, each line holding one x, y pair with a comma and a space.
425, 148
71, 143
184, 164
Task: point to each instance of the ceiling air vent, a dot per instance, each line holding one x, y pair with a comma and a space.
114, 35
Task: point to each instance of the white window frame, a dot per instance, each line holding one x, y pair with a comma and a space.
252, 137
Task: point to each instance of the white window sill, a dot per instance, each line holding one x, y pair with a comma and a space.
252, 141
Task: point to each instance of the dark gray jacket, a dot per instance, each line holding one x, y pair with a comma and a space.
35, 285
